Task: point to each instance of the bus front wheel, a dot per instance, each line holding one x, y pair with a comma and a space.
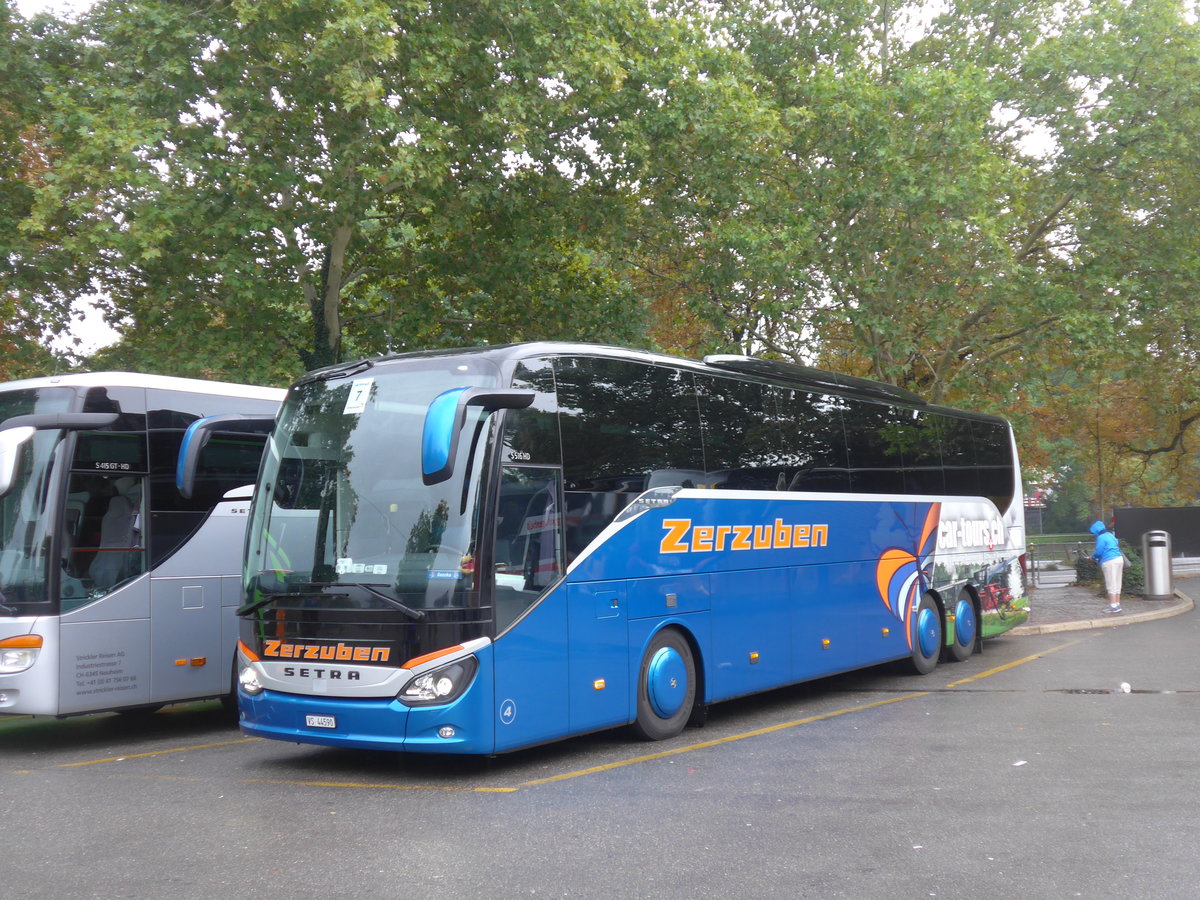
927, 636
666, 691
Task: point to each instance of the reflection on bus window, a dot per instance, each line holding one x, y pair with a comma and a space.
102, 545
528, 547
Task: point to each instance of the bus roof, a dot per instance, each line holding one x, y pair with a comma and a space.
141, 380
772, 371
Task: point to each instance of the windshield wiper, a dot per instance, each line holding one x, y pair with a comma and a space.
342, 370
265, 599
418, 614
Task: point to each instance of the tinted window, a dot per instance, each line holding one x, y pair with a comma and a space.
229, 460
743, 443
531, 434
623, 422
102, 545
106, 451
958, 457
528, 540
875, 437
179, 409
814, 441
128, 403
625, 427
993, 450
922, 448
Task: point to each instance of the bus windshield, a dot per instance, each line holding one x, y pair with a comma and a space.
26, 526
344, 510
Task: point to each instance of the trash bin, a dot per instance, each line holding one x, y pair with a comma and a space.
1156, 553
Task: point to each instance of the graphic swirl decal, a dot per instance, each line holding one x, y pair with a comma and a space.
899, 569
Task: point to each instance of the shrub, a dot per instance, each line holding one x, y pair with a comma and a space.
1088, 572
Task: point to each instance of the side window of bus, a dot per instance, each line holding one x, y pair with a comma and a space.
923, 473
102, 539
958, 458
528, 545
875, 438
814, 441
743, 446
993, 453
625, 426
531, 434
229, 460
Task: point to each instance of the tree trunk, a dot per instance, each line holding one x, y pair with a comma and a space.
325, 305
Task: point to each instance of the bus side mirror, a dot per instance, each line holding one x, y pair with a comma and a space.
444, 422
11, 441
196, 438
17, 431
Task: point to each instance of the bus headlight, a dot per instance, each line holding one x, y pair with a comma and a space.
19, 653
441, 685
248, 679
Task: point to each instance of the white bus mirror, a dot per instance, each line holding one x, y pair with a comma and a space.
16, 431
11, 442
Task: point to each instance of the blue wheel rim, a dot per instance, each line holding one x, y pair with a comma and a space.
927, 632
666, 682
964, 623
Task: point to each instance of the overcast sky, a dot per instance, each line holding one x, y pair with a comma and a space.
58, 7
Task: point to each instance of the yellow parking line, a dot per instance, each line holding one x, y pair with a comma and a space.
703, 745
377, 786
784, 725
1014, 664
109, 759
592, 770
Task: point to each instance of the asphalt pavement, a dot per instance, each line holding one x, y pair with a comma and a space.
1057, 603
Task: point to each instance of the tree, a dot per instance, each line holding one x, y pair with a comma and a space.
898, 220
303, 173
31, 305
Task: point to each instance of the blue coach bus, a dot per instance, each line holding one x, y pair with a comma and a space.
479, 550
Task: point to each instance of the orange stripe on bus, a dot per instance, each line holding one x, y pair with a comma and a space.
23, 642
418, 660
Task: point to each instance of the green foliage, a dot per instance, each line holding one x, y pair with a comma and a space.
996, 207
307, 181
37, 280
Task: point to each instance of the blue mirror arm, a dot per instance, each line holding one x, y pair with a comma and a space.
444, 422
196, 438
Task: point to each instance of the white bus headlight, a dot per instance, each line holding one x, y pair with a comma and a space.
248, 679
19, 653
16, 660
441, 685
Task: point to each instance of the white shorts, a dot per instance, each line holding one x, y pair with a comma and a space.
1113, 570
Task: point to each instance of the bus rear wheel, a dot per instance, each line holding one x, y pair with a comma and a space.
927, 636
666, 690
966, 628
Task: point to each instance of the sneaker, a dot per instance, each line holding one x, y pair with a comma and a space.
1114, 609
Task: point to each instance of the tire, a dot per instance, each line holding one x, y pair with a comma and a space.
966, 627
229, 702
666, 688
927, 636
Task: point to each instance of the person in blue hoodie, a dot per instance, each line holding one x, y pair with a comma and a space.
1112, 563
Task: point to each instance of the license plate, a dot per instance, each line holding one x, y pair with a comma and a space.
320, 721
